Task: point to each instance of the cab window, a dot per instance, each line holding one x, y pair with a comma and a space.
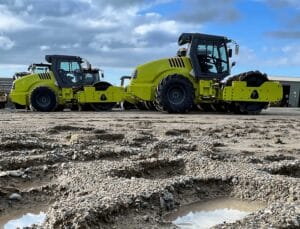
212, 58
69, 66
70, 72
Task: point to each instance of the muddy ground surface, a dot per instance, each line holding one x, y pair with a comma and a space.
129, 169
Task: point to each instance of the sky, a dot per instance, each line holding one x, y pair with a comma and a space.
118, 35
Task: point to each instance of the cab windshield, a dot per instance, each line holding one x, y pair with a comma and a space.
213, 58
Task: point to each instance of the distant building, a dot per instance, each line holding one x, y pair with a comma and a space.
5, 84
291, 91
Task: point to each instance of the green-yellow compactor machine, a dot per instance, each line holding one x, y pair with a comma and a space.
199, 76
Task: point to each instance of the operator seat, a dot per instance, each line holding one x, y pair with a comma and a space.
204, 64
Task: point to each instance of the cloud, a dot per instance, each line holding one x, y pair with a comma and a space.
9, 21
288, 18
158, 26
6, 43
271, 59
52, 8
284, 34
44, 47
208, 11
111, 34
282, 3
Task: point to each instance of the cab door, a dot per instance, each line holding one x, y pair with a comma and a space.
209, 59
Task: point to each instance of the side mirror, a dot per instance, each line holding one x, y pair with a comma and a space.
89, 66
101, 73
237, 49
233, 64
229, 53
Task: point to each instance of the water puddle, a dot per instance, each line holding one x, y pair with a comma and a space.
23, 218
210, 213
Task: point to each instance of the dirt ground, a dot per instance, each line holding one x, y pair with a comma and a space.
129, 169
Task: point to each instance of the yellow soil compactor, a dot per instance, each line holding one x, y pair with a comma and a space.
199, 76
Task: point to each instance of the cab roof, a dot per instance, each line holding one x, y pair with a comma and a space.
185, 38
50, 58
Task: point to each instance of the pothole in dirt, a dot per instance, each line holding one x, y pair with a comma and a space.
23, 145
278, 157
91, 138
177, 132
155, 169
23, 179
140, 139
188, 196
209, 213
24, 217
64, 128
290, 170
220, 156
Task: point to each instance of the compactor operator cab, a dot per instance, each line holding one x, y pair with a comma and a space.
209, 55
70, 72
39, 68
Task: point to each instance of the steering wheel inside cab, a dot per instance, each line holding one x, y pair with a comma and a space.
78, 75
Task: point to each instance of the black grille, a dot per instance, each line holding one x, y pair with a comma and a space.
176, 63
44, 76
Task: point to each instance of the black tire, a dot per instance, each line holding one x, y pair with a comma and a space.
85, 107
18, 106
175, 94
141, 106
254, 78
233, 107
157, 106
206, 107
252, 108
2, 105
127, 105
43, 99
74, 107
150, 106
103, 106
60, 108
102, 86
219, 107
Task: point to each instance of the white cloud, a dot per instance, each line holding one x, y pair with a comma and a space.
44, 47
70, 46
170, 26
103, 23
6, 43
274, 58
9, 21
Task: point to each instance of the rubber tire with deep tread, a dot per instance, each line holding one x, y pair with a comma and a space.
175, 94
43, 99
150, 106
206, 107
141, 106
127, 105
